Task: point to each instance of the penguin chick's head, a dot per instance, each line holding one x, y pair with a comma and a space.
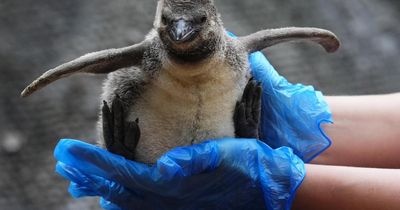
189, 29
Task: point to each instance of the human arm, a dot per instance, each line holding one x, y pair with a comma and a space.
366, 131
338, 187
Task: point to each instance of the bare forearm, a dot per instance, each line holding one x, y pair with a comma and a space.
335, 187
366, 131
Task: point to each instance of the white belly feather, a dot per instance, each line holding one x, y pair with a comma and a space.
185, 105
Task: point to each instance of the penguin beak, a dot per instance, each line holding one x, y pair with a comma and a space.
182, 30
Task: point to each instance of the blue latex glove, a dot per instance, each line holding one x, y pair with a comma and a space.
291, 115
223, 174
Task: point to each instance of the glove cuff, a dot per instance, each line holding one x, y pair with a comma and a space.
281, 178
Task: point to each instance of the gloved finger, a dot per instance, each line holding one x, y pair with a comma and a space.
95, 186
81, 184
262, 69
180, 162
78, 191
71, 174
121, 198
188, 161
89, 159
107, 205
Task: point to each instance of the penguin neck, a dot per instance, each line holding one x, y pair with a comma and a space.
192, 56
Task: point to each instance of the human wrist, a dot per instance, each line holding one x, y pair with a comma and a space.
338, 187
365, 131
318, 189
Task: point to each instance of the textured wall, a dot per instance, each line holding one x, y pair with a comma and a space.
36, 35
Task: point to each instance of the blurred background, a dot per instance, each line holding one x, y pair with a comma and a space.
36, 35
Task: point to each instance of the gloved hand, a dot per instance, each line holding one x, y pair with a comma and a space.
291, 115
222, 174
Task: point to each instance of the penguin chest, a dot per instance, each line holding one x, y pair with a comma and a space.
178, 113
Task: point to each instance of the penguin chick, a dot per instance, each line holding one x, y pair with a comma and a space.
185, 83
